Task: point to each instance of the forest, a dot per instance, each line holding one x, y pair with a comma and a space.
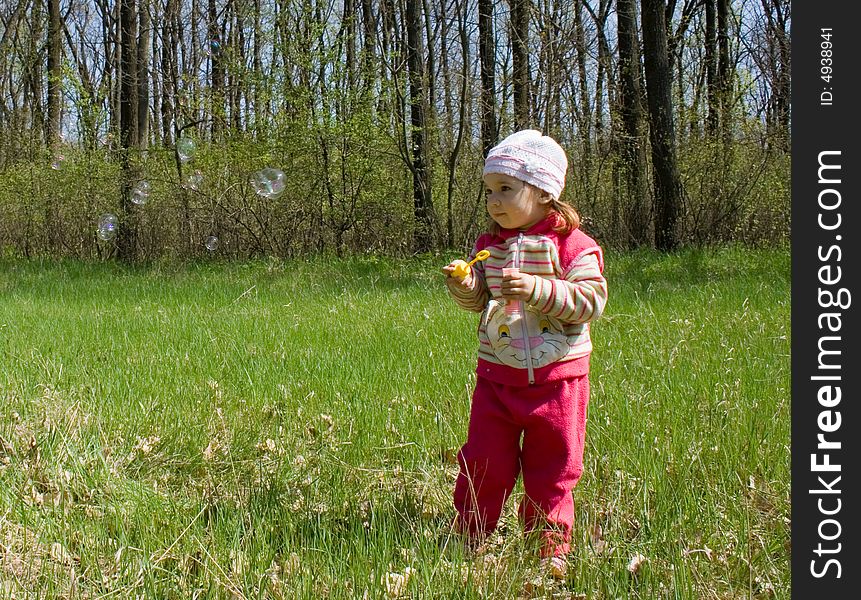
368, 120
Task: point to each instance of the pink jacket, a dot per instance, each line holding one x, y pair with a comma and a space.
548, 338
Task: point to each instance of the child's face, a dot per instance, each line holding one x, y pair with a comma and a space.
512, 203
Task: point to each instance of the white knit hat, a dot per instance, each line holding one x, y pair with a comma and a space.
531, 157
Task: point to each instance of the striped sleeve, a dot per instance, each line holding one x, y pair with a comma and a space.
475, 295
578, 298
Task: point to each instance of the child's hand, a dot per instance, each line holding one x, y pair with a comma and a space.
449, 272
517, 286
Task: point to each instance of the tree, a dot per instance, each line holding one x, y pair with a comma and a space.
169, 70
724, 77
776, 63
520, 58
487, 58
33, 73
216, 51
582, 102
142, 67
461, 122
369, 36
665, 172
637, 217
128, 75
126, 241
55, 72
712, 91
424, 233
604, 67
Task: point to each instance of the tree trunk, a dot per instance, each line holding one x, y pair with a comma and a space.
665, 173
216, 49
55, 73
238, 77
369, 40
34, 74
423, 235
487, 57
192, 65
781, 88
169, 73
157, 77
713, 113
430, 79
447, 129
584, 101
257, 72
604, 73
520, 57
637, 213
724, 78
128, 75
142, 58
349, 39
126, 240
461, 122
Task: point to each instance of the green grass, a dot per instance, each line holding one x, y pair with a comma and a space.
286, 430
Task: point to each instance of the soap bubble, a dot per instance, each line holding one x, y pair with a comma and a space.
268, 182
140, 192
58, 162
214, 46
186, 148
211, 243
193, 181
107, 228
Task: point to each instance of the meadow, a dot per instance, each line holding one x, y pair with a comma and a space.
288, 429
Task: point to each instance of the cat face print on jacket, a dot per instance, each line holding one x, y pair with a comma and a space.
543, 339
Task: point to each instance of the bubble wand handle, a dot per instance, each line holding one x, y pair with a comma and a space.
512, 307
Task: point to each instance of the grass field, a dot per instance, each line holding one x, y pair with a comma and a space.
288, 430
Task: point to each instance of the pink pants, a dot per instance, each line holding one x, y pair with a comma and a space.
552, 419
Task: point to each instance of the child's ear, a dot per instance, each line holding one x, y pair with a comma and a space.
545, 198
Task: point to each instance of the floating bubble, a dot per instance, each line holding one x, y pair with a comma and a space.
107, 228
211, 243
58, 162
268, 182
140, 192
186, 148
193, 181
214, 46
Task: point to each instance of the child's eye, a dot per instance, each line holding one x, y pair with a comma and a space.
505, 188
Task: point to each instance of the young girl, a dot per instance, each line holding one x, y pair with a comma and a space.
537, 292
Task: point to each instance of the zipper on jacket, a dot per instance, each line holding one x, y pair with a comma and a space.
522, 306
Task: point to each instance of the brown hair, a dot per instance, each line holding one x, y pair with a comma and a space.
570, 218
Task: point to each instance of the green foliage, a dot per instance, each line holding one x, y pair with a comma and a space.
348, 192
740, 193
45, 211
286, 429
355, 200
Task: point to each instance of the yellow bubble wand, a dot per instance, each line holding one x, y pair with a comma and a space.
461, 269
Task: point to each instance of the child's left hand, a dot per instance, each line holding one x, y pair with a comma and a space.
518, 286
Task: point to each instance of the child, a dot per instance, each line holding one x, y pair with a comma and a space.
537, 293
